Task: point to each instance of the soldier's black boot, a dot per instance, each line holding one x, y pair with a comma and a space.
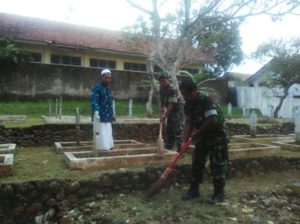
218, 195
192, 193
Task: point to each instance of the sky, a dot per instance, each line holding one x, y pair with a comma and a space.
116, 14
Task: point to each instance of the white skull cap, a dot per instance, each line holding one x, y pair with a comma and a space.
105, 71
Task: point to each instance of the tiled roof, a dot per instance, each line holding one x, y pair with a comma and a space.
57, 33
35, 29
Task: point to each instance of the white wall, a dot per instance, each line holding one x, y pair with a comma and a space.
263, 99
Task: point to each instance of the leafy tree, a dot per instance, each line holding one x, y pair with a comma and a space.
223, 40
178, 40
284, 68
10, 54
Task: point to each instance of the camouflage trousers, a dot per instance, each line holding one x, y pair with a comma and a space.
173, 131
216, 149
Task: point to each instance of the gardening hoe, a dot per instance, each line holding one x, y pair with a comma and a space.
160, 141
162, 180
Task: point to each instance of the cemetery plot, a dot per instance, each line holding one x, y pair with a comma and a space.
288, 145
261, 138
118, 158
61, 147
7, 148
238, 150
12, 118
6, 164
251, 150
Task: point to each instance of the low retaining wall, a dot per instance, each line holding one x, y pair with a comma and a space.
22, 202
46, 135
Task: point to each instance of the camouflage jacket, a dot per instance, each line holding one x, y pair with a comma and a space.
201, 108
170, 95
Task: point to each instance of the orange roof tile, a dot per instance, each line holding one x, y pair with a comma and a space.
58, 33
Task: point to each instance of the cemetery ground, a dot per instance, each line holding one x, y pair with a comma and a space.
252, 197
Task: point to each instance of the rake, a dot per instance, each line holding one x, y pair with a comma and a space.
160, 141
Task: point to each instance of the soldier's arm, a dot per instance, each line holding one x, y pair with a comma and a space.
210, 118
187, 130
171, 100
209, 123
169, 109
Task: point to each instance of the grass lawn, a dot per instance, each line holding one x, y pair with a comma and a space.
36, 163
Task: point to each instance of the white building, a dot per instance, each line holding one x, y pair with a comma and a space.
266, 99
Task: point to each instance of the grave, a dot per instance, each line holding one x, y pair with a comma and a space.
87, 120
7, 148
12, 118
261, 138
289, 145
251, 150
238, 150
61, 147
6, 164
117, 158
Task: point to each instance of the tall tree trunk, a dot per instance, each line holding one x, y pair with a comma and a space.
278, 107
174, 73
149, 103
154, 90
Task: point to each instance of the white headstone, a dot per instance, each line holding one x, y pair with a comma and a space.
60, 107
229, 109
50, 107
56, 107
253, 123
114, 108
297, 128
77, 118
130, 108
244, 112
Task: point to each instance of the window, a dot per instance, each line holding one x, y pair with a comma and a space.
100, 63
35, 57
55, 59
135, 66
65, 60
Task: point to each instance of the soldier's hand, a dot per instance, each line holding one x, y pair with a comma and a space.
163, 118
194, 134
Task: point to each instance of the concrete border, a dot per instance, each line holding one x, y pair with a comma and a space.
6, 164
262, 150
7, 148
261, 138
288, 145
117, 158
61, 147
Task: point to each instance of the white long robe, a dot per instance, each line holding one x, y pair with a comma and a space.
104, 141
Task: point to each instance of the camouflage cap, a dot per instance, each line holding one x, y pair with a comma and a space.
163, 75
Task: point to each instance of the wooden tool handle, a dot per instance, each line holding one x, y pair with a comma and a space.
172, 164
160, 129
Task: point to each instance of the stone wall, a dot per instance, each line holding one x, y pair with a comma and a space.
46, 135
36, 81
22, 202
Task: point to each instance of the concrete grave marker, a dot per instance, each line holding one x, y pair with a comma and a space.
253, 123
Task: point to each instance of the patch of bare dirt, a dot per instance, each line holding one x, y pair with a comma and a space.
264, 198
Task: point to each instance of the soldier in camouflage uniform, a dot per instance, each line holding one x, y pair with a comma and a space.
205, 125
171, 112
